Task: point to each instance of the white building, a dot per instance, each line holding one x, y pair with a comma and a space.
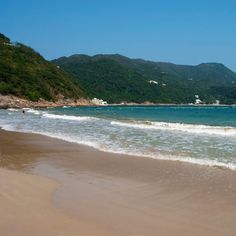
197, 100
97, 101
152, 82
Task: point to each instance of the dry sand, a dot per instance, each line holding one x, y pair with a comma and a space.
88, 192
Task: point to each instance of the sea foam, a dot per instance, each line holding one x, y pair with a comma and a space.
108, 135
98, 146
13, 109
66, 117
35, 112
190, 128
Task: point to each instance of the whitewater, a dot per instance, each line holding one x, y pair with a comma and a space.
199, 135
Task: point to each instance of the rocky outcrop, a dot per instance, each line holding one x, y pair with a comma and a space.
10, 101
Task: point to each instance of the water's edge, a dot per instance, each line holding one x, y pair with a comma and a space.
110, 131
187, 160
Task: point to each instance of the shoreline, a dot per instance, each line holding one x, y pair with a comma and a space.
121, 194
191, 161
194, 163
10, 101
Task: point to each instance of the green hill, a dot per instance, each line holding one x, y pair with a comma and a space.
116, 78
25, 73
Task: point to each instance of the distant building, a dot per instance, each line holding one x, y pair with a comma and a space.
198, 100
9, 44
97, 101
152, 82
12, 44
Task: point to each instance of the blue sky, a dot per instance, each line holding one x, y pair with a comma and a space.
178, 31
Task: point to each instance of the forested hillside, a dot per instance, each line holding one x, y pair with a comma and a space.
116, 78
25, 73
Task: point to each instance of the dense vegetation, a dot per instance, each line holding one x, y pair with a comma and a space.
116, 78
25, 73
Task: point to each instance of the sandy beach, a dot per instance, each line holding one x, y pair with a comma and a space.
52, 187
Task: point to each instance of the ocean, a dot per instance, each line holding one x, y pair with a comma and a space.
203, 135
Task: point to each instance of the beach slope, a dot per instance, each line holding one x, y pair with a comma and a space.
76, 190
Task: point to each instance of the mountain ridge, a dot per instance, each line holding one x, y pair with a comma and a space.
111, 77
139, 59
182, 82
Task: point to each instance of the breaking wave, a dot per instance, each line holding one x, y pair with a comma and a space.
180, 127
66, 117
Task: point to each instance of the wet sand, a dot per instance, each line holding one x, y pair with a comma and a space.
53, 187
27, 209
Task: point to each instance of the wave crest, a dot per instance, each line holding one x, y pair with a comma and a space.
179, 127
66, 117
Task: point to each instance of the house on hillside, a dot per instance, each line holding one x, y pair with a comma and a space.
153, 82
198, 100
99, 102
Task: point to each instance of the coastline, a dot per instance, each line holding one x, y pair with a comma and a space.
126, 195
10, 101
99, 148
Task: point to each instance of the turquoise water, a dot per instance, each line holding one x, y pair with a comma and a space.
198, 134
209, 115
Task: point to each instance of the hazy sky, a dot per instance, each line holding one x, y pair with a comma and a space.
178, 31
